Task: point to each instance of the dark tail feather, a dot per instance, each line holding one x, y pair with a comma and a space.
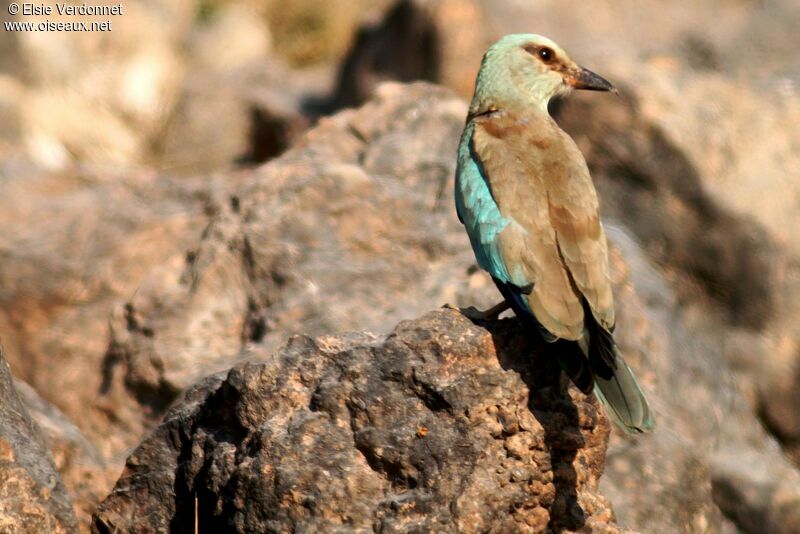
602, 369
626, 403
574, 363
614, 383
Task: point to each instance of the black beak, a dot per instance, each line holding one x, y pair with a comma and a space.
586, 79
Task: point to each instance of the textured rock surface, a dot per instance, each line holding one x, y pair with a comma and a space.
98, 100
354, 228
62, 274
750, 170
441, 426
32, 496
321, 240
316, 241
57, 287
664, 483
86, 474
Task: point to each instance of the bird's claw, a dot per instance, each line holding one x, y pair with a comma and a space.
474, 314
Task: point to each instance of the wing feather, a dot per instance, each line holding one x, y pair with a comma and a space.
553, 239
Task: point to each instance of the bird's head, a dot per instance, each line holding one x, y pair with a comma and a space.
529, 69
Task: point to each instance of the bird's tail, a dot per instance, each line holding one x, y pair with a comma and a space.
626, 404
616, 387
599, 366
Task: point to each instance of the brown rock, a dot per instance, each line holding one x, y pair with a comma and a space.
309, 32
62, 276
86, 475
436, 40
32, 496
100, 101
353, 228
325, 434
316, 241
237, 103
746, 163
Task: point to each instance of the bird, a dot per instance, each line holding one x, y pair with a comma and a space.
527, 201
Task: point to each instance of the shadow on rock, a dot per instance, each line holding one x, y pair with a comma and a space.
537, 365
441, 426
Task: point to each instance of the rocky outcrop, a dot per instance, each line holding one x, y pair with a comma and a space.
87, 242
320, 240
32, 496
706, 427
750, 171
119, 197
86, 473
316, 241
57, 287
441, 426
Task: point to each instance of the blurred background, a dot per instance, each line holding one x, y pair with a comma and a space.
161, 186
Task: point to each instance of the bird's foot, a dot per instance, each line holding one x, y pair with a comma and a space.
475, 314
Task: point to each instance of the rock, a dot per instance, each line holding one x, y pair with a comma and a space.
58, 287
85, 473
62, 276
772, 495
442, 40
353, 228
248, 113
11, 91
276, 122
663, 482
238, 103
172, 88
32, 496
272, 263
229, 36
745, 166
441, 426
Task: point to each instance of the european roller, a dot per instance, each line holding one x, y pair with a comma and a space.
524, 193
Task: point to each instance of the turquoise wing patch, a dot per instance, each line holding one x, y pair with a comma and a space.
481, 216
477, 209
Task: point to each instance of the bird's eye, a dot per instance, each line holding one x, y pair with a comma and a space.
544, 53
